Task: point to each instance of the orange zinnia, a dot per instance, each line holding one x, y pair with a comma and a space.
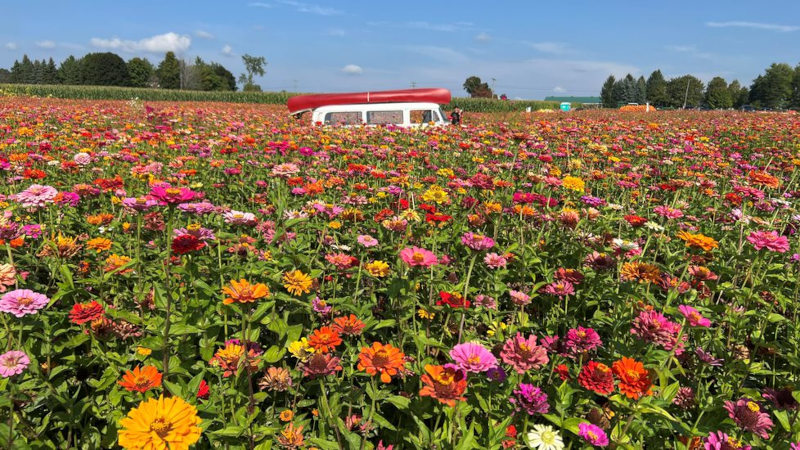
634, 379
640, 272
383, 359
348, 325
141, 379
698, 241
445, 384
763, 179
324, 340
243, 292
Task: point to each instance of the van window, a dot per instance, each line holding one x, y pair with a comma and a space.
384, 117
344, 118
420, 116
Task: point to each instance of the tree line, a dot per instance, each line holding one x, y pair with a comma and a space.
109, 69
777, 88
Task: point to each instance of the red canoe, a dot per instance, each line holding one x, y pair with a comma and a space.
300, 103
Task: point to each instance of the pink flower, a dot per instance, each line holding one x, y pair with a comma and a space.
477, 241
495, 261
473, 357
669, 213
519, 298
415, 256
769, 239
559, 289
695, 318
8, 276
652, 326
168, 195
367, 240
485, 301
35, 196
582, 340
522, 354
139, 204
22, 302
721, 441
748, 416
13, 362
593, 434
240, 218
529, 398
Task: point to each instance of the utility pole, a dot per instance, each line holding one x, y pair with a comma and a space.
686, 95
493, 94
413, 84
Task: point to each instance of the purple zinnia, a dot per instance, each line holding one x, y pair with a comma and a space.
13, 362
721, 441
748, 416
780, 398
529, 398
22, 302
593, 434
168, 195
139, 204
473, 357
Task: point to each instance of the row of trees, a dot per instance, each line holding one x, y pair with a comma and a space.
778, 87
109, 69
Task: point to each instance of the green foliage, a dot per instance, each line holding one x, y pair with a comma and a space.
795, 100
141, 72
774, 88
489, 105
254, 65
739, 94
69, 72
476, 88
104, 69
657, 89
718, 95
684, 91
169, 72
607, 93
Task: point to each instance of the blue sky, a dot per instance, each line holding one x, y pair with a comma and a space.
526, 49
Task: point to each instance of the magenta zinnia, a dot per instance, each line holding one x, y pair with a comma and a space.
473, 357
769, 240
13, 363
523, 354
415, 256
749, 416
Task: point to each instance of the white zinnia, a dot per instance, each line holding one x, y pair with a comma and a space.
544, 437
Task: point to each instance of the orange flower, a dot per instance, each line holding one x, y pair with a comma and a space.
634, 379
141, 379
243, 292
445, 384
99, 244
115, 261
324, 340
286, 415
383, 359
698, 241
348, 325
639, 271
763, 179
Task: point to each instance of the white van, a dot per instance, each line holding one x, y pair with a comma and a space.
406, 114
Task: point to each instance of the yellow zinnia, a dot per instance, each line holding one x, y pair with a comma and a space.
296, 282
377, 268
160, 423
698, 240
573, 183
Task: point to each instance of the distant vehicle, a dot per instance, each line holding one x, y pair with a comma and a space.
749, 108
403, 108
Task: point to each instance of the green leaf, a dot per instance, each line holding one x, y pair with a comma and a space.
229, 431
398, 401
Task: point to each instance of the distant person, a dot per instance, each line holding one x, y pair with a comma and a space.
455, 116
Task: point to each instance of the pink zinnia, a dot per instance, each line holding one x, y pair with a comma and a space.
367, 240
748, 416
519, 298
721, 441
139, 203
559, 289
652, 326
669, 213
523, 354
593, 434
769, 239
22, 302
495, 261
415, 256
477, 241
8, 276
694, 317
168, 195
582, 340
35, 196
473, 357
13, 362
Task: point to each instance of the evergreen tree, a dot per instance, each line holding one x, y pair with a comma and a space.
169, 72
69, 72
607, 93
739, 94
225, 75
38, 72
641, 91
26, 70
774, 88
104, 69
5, 76
795, 100
140, 72
657, 89
718, 95
625, 90
50, 72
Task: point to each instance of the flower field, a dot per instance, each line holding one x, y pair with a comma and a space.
213, 275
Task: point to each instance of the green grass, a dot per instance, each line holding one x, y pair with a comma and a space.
278, 98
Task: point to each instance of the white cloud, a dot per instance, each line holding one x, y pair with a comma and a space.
203, 34
554, 48
336, 32
559, 90
443, 54
310, 8
755, 25
46, 44
11, 45
422, 25
690, 50
167, 42
483, 37
227, 50
352, 69
260, 4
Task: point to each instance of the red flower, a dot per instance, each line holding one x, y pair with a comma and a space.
86, 312
597, 377
635, 221
186, 243
203, 391
454, 300
563, 372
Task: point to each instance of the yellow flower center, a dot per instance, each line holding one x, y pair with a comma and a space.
25, 301
591, 435
418, 257
161, 427
475, 359
752, 406
632, 374
173, 191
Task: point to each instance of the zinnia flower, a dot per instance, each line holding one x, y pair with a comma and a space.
243, 292
320, 365
582, 340
529, 398
86, 312
634, 379
781, 398
597, 377
324, 340
141, 379
748, 416
721, 441
544, 437
694, 317
444, 383
36, 196
495, 261
349, 326
168, 195
698, 241
384, 359
769, 240
276, 379
522, 354
159, 424
415, 256
8, 276
22, 302
593, 434
473, 357
13, 362
296, 282
186, 243
477, 241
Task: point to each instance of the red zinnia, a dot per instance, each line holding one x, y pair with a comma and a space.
86, 312
454, 300
203, 391
635, 221
597, 377
186, 243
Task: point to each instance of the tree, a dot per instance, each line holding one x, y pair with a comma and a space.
225, 75
625, 90
104, 69
477, 88
718, 96
140, 72
190, 74
795, 100
657, 89
739, 94
50, 75
641, 90
5, 76
69, 72
169, 72
26, 71
254, 65
686, 90
774, 88
607, 93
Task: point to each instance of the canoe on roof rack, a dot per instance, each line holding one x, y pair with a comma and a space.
301, 103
